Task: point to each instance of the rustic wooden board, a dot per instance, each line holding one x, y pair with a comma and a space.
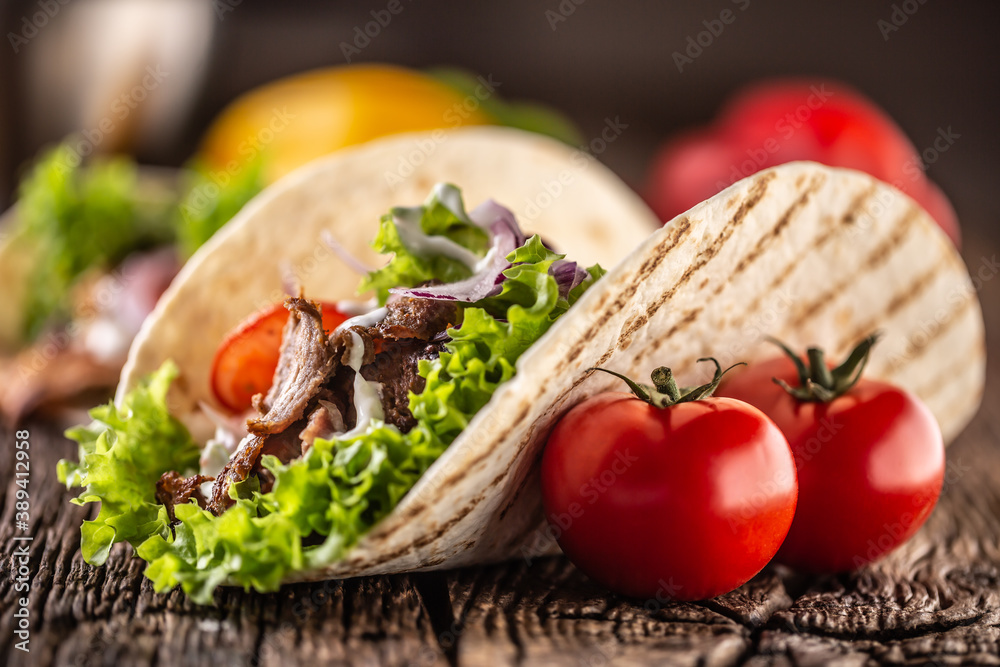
936, 600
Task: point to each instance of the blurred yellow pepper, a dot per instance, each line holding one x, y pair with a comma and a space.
297, 119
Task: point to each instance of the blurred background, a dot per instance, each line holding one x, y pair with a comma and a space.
930, 64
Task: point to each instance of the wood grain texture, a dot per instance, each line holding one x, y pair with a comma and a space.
935, 601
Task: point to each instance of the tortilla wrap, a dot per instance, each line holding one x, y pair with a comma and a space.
806, 253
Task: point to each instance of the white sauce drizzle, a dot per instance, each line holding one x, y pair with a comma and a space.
408, 224
216, 454
367, 403
369, 319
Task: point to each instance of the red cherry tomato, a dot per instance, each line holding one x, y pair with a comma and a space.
685, 502
781, 121
870, 466
245, 361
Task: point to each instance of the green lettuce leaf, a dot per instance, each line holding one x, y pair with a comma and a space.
121, 456
443, 216
79, 219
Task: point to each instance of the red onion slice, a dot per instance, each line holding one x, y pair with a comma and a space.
506, 237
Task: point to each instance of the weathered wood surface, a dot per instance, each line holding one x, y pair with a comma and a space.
937, 600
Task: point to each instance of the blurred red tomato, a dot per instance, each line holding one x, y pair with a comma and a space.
781, 121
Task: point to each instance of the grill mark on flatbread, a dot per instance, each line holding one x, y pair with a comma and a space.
456, 477
876, 256
763, 242
648, 267
914, 349
851, 215
881, 254
817, 243
884, 250
846, 218
688, 318
535, 464
436, 561
603, 300
754, 196
430, 537
677, 232
424, 539
556, 407
525, 440
934, 387
903, 297
753, 255
747, 260
487, 452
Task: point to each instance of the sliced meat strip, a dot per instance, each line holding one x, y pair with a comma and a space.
342, 340
324, 422
422, 319
173, 490
396, 370
312, 395
239, 466
306, 361
286, 446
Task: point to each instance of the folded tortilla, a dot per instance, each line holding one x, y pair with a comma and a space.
802, 252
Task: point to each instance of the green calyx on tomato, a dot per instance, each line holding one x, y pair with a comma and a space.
818, 383
664, 391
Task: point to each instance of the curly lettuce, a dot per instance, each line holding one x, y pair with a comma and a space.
121, 456
322, 503
79, 218
442, 221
